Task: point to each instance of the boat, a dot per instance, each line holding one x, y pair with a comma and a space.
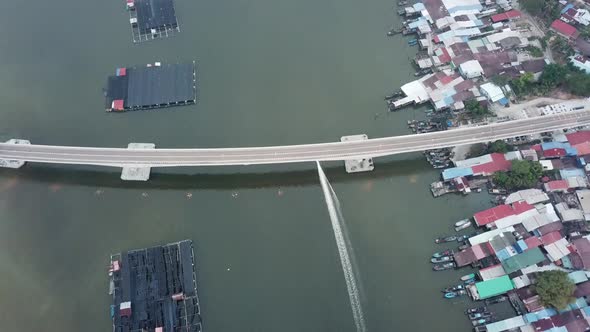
450, 295
441, 259
413, 41
463, 238
463, 246
476, 310
423, 72
446, 239
393, 32
464, 226
481, 321
469, 281
402, 3
453, 294
453, 288
468, 276
444, 266
401, 11
442, 253
462, 222
480, 315
394, 95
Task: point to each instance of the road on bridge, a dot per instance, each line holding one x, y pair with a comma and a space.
378, 147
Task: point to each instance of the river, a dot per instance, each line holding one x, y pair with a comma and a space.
269, 72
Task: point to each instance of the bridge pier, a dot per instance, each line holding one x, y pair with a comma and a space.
357, 165
6, 163
137, 173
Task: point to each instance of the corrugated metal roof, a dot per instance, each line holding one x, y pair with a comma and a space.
527, 258
492, 272
456, 172
484, 237
506, 324
578, 137
578, 277
571, 172
493, 287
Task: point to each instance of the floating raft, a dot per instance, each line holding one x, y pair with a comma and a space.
152, 86
155, 289
152, 19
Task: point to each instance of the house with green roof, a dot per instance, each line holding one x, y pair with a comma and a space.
490, 288
525, 259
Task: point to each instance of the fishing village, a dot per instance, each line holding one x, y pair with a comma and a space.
472, 56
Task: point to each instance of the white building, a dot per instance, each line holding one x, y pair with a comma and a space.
471, 69
492, 92
581, 62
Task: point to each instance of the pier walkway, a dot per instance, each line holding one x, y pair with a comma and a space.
336, 151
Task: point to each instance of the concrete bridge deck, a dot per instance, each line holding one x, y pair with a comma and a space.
336, 151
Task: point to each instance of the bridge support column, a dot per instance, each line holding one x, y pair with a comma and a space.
357, 165
137, 173
14, 163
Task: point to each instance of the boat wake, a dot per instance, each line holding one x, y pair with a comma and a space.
344, 250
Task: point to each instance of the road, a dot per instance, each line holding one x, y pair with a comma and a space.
121, 157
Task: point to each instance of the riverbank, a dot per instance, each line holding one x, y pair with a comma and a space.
541, 227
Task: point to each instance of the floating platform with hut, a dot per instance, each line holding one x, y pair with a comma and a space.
155, 289
151, 19
152, 86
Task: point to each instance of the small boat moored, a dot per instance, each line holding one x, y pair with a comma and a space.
451, 295
479, 315
498, 299
476, 310
462, 222
464, 226
444, 266
443, 253
468, 276
446, 239
482, 321
441, 259
454, 288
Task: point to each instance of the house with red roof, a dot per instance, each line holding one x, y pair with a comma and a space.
557, 185
565, 30
578, 137
502, 213
506, 16
498, 163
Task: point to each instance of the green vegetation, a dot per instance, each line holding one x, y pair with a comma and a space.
480, 149
522, 174
534, 51
555, 289
534, 7
546, 9
578, 83
475, 109
499, 146
554, 76
500, 80
585, 32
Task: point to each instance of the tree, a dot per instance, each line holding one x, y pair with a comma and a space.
534, 51
555, 289
475, 109
579, 83
499, 146
534, 7
522, 174
553, 75
524, 84
499, 80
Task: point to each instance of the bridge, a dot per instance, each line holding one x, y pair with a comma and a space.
337, 151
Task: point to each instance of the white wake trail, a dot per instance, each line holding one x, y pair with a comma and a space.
343, 250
